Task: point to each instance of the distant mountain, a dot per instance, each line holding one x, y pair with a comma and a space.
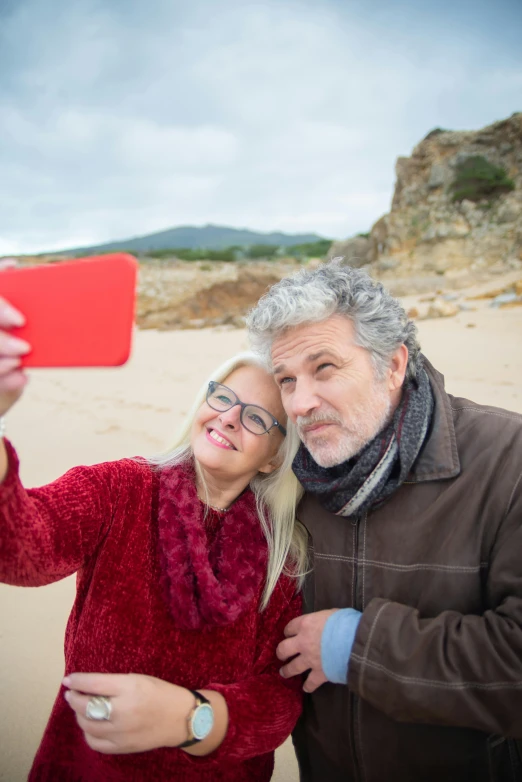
208, 237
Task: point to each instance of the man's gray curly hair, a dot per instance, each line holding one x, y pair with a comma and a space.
381, 324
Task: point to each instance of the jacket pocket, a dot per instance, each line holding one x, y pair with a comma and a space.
505, 761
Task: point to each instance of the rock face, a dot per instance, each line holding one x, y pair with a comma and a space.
198, 295
427, 230
356, 252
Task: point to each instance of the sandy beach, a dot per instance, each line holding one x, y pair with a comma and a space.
70, 417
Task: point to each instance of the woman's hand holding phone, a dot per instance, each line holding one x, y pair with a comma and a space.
76, 313
12, 377
79, 313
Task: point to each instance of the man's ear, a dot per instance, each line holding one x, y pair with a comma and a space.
398, 367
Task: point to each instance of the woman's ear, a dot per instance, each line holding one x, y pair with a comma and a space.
272, 465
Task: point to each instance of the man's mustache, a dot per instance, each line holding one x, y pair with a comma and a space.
302, 421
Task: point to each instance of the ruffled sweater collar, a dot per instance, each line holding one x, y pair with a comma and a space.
211, 572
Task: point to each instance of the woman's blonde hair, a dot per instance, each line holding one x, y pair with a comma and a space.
276, 493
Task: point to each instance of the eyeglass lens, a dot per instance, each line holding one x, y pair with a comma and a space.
254, 418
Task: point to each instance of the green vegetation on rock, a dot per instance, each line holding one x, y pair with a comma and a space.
257, 251
303, 251
317, 249
435, 132
476, 178
228, 254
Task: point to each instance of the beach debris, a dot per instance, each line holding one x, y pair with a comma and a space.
504, 298
513, 303
441, 309
487, 295
496, 293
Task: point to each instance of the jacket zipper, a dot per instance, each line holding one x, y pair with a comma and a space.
352, 699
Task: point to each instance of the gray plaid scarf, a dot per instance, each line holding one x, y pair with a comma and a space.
365, 481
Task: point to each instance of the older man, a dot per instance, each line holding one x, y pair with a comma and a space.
412, 634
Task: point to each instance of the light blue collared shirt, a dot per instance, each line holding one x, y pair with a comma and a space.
336, 643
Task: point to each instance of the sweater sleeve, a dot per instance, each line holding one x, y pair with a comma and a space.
263, 708
48, 533
453, 669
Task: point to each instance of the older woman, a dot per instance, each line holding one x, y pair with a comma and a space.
171, 670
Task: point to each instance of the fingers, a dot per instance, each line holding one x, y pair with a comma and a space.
97, 728
11, 386
12, 347
292, 627
8, 363
10, 317
314, 680
12, 378
78, 702
8, 263
108, 684
100, 735
297, 666
286, 649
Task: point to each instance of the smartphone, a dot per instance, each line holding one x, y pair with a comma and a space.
78, 313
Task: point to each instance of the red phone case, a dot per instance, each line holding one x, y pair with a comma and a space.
78, 313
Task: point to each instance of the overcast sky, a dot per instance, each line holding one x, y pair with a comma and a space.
123, 117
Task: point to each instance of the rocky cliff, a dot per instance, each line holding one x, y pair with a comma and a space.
457, 205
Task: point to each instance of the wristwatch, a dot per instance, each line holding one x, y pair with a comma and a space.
200, 720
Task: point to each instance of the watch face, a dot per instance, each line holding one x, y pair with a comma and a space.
202, 721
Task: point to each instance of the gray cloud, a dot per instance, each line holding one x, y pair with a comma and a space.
121, 118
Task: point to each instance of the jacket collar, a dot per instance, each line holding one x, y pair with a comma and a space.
438, 458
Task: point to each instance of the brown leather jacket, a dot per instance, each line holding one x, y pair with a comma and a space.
435, 676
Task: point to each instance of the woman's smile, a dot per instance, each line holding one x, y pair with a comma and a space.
216, 438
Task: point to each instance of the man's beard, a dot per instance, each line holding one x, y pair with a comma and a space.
367, 419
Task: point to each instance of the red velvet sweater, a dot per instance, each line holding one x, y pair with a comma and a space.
101, 521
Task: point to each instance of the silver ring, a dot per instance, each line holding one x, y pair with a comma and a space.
98, 708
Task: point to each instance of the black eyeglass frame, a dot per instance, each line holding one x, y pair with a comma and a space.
211, 389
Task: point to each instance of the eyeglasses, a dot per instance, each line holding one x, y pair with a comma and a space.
255, 419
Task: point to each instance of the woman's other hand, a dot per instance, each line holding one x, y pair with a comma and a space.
146, 713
